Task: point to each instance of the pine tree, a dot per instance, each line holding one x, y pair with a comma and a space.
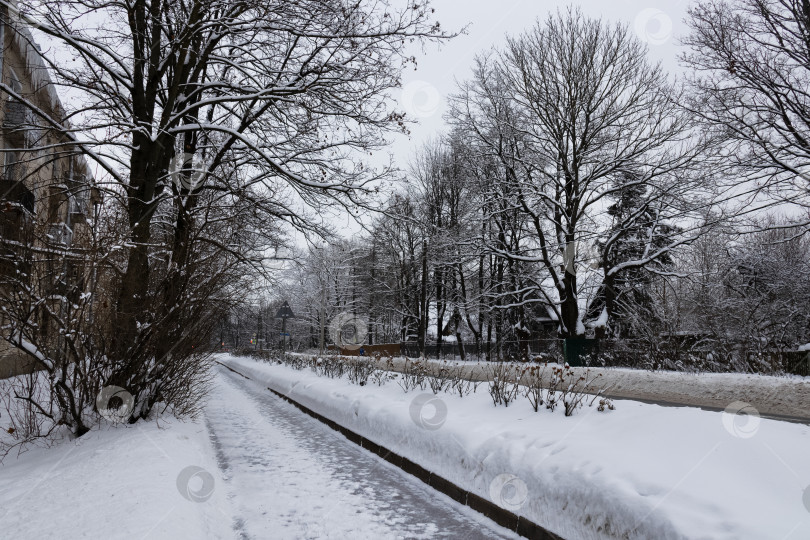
634, 233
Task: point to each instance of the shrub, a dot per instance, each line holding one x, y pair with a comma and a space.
504, 385
412, 376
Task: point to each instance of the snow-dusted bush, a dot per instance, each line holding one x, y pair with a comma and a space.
21, 421
412, 375
459, 383
359, 370
504, 384
438, 376
381, 376
533, 386
568, 388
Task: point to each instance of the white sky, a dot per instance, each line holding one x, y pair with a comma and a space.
657, 22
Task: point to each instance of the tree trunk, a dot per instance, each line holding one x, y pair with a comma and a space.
440, 309
569, 307
423, 303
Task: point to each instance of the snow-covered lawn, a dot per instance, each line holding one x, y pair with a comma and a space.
787, 396
122, 482
642, 471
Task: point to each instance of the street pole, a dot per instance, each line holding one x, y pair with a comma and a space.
259, 330
283, 335
323, 317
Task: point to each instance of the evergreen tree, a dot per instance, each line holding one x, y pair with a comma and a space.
636, 231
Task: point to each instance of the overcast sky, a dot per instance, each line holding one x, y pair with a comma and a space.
659, 23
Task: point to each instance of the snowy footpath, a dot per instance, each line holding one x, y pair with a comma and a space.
639, 472
290, 476
253, 467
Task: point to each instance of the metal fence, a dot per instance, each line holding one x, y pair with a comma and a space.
667, 354
509, 349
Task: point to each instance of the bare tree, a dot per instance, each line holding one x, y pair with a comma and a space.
402, 259
216, 124
744, 296
566, 109
750, 72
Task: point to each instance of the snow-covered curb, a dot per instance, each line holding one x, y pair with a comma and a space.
642, 471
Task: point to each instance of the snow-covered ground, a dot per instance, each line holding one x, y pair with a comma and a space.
253, 467
642, 471
785, 396
256, 467
117, 482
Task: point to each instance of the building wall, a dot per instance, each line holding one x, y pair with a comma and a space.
47, 194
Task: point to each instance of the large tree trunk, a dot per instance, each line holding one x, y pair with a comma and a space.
441, 306
569, 307
134, 287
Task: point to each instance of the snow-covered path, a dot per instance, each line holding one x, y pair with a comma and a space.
289, 476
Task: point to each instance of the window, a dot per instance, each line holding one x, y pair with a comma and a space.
15, 117
11, 165
14, 82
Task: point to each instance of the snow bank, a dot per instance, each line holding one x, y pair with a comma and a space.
771, 395
118, 482
642, 471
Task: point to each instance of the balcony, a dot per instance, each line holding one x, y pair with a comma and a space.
18, 123
14, 194
16, 227
79, 207
78, 215
16, 114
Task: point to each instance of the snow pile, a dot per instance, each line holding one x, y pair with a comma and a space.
642, 471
